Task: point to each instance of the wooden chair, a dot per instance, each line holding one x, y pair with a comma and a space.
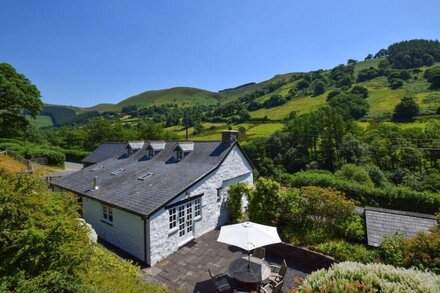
221, 282
278, 273
259, 252
272, 287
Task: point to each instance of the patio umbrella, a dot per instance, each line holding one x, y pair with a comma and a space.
248, 235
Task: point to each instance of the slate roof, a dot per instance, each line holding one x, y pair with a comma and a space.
186, 146
105, 151
381, 222
170, 177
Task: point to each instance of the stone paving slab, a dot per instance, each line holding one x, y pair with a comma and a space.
187, 268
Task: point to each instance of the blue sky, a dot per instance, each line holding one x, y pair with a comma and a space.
88, 52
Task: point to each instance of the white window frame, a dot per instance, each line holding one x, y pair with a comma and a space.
107, 214
181, 218
179, 154
197, 209
150, 152
172, 216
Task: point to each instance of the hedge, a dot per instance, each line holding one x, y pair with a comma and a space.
393, 197
53, 157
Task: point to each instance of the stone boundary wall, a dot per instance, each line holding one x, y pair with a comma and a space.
305, 257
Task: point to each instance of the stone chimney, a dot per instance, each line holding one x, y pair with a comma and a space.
229, 136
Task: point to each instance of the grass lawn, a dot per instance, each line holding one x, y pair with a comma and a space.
299, 105
40, 121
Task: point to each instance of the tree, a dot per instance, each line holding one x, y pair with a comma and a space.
264, 202
382, 53
351, 172
406, 110
369, 56
318, 88
360, 91
351, 61
17, 95
433, 76
302, 84
352, 104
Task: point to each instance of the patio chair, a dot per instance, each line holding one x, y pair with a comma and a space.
278, 272
272, 287
259, 252
221, 282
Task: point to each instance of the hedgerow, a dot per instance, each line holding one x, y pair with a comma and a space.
394, 197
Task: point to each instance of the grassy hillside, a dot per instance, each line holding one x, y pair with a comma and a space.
382, 99
40, 121
181, 96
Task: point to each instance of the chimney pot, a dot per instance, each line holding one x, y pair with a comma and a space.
95, 183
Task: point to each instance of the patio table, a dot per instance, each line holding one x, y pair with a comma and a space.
249, 273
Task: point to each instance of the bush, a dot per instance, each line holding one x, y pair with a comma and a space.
376, 175
234, 201
393, 197
346, 251
433, 76
356, 277
54, 158
423, 250
354, 173
353, 229
392, 249
265, 202
406, 110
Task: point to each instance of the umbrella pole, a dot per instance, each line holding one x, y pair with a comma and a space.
249, 261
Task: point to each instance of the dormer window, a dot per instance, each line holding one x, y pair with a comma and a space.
182, 149
179, 154
150, 153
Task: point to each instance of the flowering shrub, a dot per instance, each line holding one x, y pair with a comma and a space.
357, 277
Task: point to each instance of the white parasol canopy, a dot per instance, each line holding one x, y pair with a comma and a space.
248, 235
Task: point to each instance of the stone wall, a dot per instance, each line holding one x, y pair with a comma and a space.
310, 259
164, 241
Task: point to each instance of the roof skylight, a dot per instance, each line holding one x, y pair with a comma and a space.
96, 168
145, 176
116, 172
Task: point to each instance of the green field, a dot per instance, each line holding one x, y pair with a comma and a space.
40, 121
252, 130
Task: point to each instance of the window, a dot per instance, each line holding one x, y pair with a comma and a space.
219, 194
97, 168
179, 154
197, 207
107, 213
116, 172
145, 176
189, 217
150, 152
182, 220
173, 218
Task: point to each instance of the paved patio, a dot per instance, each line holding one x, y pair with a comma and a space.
187, 268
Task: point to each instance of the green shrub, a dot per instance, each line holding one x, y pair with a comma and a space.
354, 173
353, 229
423, 250
234, 201
265, 202
356, 277
392, 249
54, 158
346, 251
74, 155
394, 197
